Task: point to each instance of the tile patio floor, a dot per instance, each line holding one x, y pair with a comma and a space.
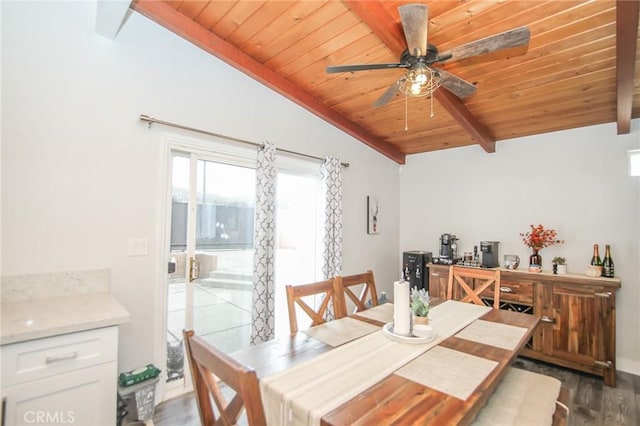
222, 316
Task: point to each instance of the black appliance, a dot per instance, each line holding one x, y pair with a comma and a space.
489, 251
448, 250
415, 269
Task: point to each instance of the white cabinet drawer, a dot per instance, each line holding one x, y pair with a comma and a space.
40, 358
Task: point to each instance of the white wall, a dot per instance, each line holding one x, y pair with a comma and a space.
573, 181
80, 172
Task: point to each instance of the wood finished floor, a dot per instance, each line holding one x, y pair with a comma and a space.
591, 402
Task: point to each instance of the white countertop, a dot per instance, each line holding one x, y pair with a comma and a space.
35, 319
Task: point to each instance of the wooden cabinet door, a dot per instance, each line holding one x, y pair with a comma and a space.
82, 397
578, 325
438, 280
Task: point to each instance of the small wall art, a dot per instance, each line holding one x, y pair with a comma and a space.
373, 209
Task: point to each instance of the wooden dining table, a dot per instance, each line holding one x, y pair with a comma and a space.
396, 399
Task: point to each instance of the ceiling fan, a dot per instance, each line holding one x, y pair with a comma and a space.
421, 79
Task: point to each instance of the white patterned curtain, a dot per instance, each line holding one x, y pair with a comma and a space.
331, 171
263, 325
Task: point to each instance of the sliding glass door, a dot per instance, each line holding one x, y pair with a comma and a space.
210, 249
210, 255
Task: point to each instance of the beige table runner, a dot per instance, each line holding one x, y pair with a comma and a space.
494, 334
302, 394
340, 331
452, 372
382, 313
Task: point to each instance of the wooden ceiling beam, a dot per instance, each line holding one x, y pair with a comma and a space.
466, 119
626, 37
381, 23
186, 28
376, 17
461, 114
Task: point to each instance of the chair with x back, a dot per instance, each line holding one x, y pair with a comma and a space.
296, 293
209, 366
467, 284
344, 286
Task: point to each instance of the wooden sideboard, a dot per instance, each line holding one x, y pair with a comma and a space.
578, 316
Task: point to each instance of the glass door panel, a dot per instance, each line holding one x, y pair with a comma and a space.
211, 255
298, 246
224, 252
178, 266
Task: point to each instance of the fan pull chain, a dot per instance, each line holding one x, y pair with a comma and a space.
406, 112
432, 114
432, 90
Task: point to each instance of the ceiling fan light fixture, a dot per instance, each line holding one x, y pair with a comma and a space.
419, 81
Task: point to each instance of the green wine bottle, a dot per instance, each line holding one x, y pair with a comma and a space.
595, 260
607, 263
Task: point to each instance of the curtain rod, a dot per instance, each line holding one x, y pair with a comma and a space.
152, 120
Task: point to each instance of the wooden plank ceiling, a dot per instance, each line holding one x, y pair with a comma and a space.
572, 74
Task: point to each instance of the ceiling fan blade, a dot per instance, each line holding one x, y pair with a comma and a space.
363, 67
415, 18
506, 40
456, 85
388, 94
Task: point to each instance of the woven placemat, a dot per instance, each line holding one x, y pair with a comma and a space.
493, 333
452, 372
340, 331
382, 313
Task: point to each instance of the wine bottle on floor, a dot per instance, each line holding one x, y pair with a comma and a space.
607, 263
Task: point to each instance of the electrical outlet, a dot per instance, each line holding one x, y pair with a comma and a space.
138, 246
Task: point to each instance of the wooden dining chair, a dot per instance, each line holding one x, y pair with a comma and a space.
467, 284
209, 366
296, 293
344, 286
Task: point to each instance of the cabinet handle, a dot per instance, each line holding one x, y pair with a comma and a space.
506, 290
603, 364
435, 274
606, 295
548, 320
4, 411
65, 357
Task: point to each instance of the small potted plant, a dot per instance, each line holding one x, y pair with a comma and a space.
560, 265
420, 305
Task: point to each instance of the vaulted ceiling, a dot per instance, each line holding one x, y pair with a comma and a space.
581, 66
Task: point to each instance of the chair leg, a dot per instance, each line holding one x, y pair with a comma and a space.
293, 321
496, 292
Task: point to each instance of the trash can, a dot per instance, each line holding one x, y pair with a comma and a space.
139, 400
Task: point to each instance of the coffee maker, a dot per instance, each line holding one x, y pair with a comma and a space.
489, 250
415, 269
448, 250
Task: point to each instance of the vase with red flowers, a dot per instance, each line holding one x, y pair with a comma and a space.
538, 238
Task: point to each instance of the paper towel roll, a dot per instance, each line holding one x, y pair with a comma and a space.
401, 308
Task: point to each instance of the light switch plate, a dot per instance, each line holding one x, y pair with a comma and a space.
138, 246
